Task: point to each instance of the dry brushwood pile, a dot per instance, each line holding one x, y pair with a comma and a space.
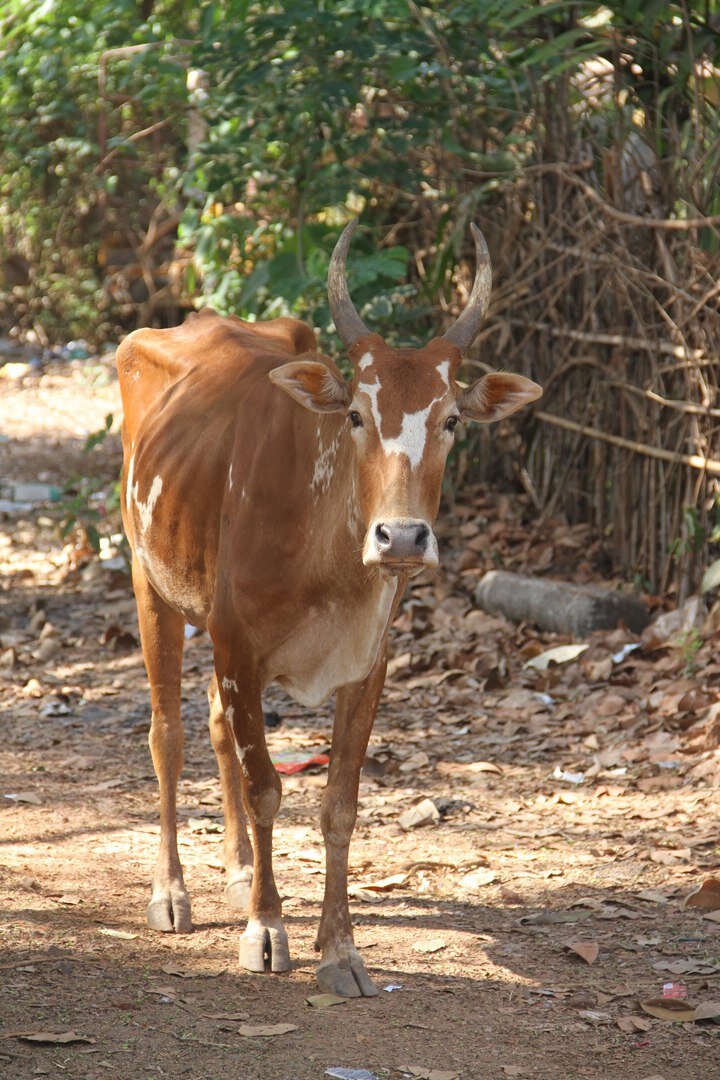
531, 826
625, 437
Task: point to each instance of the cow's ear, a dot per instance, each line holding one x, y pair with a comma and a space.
497, 395
314, 385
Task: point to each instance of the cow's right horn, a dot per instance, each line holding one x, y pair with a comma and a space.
348, 323
467, 325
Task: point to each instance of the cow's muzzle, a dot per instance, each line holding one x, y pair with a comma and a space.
400, 545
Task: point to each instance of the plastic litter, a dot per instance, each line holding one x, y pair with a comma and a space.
674, 990
570, 777
618, 657
290, 761
393, 986
350, 1074
30, 493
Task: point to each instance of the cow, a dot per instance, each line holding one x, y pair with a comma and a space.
284, 509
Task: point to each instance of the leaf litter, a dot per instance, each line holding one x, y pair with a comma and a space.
465, 725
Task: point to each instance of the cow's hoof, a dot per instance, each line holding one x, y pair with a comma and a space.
346, 977
169, 911
237, 891
264, 940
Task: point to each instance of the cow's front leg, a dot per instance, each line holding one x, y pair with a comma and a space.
265, 936
341, 969
238, 852
161, 635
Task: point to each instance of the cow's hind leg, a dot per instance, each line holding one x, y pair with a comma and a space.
161, 634
265, 937
341, 969
238, 852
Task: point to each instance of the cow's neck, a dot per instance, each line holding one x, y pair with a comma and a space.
333, 493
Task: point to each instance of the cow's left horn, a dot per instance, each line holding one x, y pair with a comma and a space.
467, 326
348, 323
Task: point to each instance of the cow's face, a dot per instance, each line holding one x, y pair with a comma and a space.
402, 408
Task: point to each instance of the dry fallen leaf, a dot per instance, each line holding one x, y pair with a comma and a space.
24, 797
429, 945
586, 950
422, 1073
364, 896
549, 918
384, 884
324, 1001
124, 935
708, 1010
669, 1009
236, 1016
669, 858
54, 1037
424, 813
687, 967
631, 1024
173, 969
477, 879
467, 768
251, 1031
561, 654
707, 897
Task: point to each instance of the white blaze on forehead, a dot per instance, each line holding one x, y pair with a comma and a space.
413, 431
365, 360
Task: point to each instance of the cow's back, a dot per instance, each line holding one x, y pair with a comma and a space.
151, 361
184, 391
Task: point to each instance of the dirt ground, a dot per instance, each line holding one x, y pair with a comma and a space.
576, 809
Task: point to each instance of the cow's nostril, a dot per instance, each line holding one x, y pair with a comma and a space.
421, 537
382, 537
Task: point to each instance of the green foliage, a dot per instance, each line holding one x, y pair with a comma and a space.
57, 198
414, 114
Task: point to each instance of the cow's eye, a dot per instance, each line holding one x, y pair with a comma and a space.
355, 418
451, 423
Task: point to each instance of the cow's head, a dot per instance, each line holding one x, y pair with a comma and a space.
402, 408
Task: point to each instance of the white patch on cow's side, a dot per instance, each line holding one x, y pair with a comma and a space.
229, 684
135, 376
145, 509
243, 495
241, 751
230, 482
179, 589
413, 431
229, 714
325, 466
128, 489
365, 360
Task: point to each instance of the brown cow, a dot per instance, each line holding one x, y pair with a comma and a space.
288, 524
